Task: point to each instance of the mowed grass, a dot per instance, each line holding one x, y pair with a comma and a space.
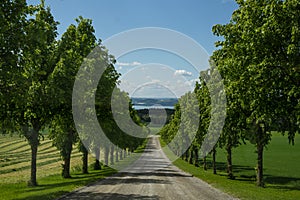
51, 187
15, 157
281, 171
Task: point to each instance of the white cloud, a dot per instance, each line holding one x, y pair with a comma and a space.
192, 82
132, 64
182, 72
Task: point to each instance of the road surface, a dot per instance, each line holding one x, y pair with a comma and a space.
151, 177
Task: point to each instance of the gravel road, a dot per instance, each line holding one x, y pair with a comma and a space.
151, 177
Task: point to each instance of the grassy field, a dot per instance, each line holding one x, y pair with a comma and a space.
15, 170
15, 157
281, 164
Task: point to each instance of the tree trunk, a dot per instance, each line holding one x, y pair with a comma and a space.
117, 155
229, 162
67, 162
106, 153
97, 165
66, 168
32, 181
214, 151
124, 151
121, 154
186, 155
260, 149
33, 138
204, 164
196, 160
260, 165
112, 150
85, 160
191, 157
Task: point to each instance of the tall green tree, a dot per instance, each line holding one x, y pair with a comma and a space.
181, 131
34, 106
76, 43
105, 87
235, 122
259, 57
118, 132
204, 102
12, 42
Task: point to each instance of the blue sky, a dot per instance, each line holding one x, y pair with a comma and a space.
193, 18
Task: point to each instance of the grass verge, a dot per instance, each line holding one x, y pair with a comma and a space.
244, 187
51, 187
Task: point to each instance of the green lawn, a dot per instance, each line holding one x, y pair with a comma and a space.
282, 172
51, 187
15, 170
15, 157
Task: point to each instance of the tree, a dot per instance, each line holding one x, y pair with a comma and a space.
235, 121
169, 131
204, 101
76, 43
181, 131
118, 131
259, 57
34, 105
13, 41
105, 87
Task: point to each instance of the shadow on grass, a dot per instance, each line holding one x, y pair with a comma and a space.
248, 174
50, 196
53, 187
281, 182
237, 169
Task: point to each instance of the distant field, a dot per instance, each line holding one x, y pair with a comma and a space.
281, 171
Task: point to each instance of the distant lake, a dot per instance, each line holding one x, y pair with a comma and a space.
146, 103
139, 107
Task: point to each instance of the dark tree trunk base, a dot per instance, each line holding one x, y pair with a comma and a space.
112, 150
196, 158
229, 163
106, 155
85, 161
260, 150
191, 158
34, 142
214, 161
97, 165
204, 164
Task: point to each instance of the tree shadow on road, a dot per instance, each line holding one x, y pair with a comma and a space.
132, 180
112, 196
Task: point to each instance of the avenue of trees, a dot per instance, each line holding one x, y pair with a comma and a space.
258, 58
37, 74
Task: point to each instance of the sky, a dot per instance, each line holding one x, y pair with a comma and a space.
146, 68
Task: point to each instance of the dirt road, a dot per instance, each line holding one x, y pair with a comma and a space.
151, 177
